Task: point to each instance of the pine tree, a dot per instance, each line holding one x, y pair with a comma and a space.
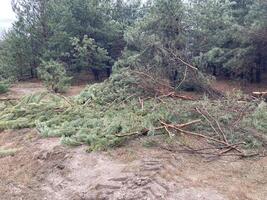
54, 76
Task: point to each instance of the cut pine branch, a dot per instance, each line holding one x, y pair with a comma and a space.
189, 123
208, 116
230, 146
175, 95
9, 99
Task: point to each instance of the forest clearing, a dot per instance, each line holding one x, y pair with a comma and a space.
127, 100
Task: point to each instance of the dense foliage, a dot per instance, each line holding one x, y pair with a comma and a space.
3, 87
53, 29
54, 76
228, 37
223, 38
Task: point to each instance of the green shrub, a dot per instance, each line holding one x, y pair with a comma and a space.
259, 117
3, 87
54, 76
7, 152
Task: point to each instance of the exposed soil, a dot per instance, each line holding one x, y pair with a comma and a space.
229, 86
21, 89
43, 169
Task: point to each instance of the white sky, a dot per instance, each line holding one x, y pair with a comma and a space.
7, 16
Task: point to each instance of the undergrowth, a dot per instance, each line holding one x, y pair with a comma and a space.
259, 117
7, 152
105, 112
4, 86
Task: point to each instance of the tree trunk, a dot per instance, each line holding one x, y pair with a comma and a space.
251, 75
214, 70
108, 72
96, 74
258, 74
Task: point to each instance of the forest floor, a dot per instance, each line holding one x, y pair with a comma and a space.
43, 169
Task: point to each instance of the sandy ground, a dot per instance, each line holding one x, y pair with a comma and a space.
21, 89
43, 169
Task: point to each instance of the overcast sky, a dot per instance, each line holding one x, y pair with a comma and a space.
6, 14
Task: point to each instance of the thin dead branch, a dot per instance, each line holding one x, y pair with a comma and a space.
207, 116
207, 119
189, 123
175, 95
152, 78
179, 59
65, 99
230, 146
141, 101
184, 77
9, 99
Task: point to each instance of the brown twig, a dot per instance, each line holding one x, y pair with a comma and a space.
218, 125
170, 134
207, 119
174, 95
189, 123
199, 135
181, 60
9, 99
141, 101
152, 78
64, 98
184, 78
113, 102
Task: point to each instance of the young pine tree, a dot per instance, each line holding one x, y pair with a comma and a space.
54, 76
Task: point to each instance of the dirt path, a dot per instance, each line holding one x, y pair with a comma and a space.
231, 85
21, 89
42, 169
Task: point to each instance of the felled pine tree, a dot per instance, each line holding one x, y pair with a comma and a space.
54, 76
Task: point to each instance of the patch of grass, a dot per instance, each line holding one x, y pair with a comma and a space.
259, 117
150, 143
7, 152
4, 87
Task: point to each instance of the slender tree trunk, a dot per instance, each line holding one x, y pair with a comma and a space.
251, 75
108, 72
259, 68
96, 74
242, 76
214, 70
258, 74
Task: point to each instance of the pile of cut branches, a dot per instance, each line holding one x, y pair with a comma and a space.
126, 106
